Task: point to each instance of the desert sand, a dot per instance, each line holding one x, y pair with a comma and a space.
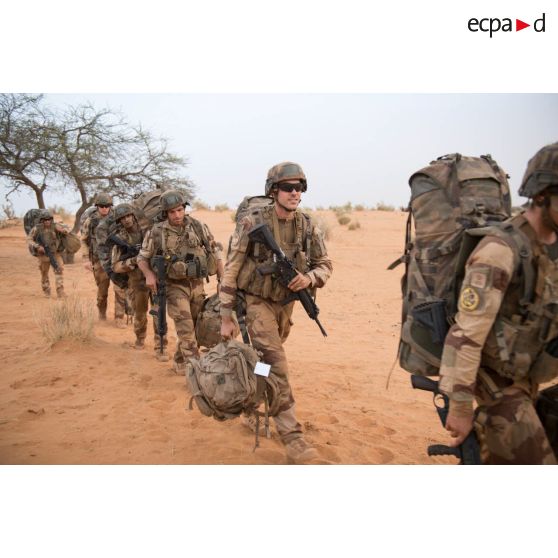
106, 403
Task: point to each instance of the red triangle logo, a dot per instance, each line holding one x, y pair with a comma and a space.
519, 25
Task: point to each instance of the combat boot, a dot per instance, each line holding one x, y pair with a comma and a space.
179, 368
60, 293
46, 293
120, 323
103, 315
139, 344
300, 451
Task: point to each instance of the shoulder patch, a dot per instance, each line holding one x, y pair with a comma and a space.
469, 299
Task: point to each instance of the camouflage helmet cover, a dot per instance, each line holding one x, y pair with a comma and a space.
172, 198
44, 215
121, 210
103, 199
542, 171
284, 171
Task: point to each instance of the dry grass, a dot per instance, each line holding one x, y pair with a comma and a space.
381, 206
354, 226
62, 212
222, 207
69, 318
200, 205
4, 223
343, 219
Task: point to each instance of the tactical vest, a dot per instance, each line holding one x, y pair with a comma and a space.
528, 316
267, 286
53, 240
133, 238
187, 250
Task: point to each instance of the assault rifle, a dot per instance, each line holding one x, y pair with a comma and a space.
159, 304
285, 272
48, 253
130, 250
468, 452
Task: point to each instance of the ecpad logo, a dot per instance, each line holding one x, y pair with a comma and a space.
492, 25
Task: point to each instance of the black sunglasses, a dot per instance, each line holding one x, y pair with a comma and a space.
285, 187
103, 205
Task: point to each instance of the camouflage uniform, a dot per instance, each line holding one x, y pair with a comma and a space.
495, 351
137, 290
268, 321
185, 295
90, 249
53, 238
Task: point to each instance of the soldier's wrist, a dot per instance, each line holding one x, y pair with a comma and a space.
461, 408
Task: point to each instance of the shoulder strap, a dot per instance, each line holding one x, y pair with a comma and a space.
198, 227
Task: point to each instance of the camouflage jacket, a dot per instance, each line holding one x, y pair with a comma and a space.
496, 328
300, 239
52, 237
191, 243
133, 237
91, 245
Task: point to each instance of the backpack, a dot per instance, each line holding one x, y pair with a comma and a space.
452, 195
30, 219
223, 384
208, 322
147, 208
249, 203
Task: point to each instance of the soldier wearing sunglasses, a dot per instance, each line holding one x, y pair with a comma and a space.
268, 321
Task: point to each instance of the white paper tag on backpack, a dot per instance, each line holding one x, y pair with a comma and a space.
262, 369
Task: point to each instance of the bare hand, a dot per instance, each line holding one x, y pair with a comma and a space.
88, 266
299, 282
41, 250
458, 427
151, 281
228, 329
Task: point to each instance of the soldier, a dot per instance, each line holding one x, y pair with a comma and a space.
50, 234
130, 232
193, 255
269, 321
504, 342
103, 203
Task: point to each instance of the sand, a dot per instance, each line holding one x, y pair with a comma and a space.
104, 402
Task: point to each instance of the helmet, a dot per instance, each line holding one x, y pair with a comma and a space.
284, 171
172, 198
542, 171
103, 199
121, 210
44, 214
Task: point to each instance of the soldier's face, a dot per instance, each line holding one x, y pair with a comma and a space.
289, 200
104, 210
553, 208
47, 223
127, 221
176, 215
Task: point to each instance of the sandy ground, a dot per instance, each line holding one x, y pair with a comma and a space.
106, 403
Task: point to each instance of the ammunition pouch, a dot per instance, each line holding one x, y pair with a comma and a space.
189, 267
545, 367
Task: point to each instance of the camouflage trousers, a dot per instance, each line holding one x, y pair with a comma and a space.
103, 283
44, 266
269, 324
184, 302
138, 295
510, 431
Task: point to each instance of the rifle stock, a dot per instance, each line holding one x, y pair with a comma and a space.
48, 253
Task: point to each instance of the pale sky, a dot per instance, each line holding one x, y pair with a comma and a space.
359, 148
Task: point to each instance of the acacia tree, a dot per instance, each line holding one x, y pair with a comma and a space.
98, 151
25, 143
85, 150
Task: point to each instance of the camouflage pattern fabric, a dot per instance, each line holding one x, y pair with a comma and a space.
103, 283
268, 321
489, 335
137, 291
54, 239
185, 295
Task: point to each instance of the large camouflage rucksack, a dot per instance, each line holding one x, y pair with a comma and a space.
30, 219
448, 197
223, 383
147, 208
208, 322
249, 204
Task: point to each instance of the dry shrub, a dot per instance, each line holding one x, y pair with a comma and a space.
381, 206
360, 207
354, 226
222, 207
343, 219
198, 204
69, 318
62, 212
